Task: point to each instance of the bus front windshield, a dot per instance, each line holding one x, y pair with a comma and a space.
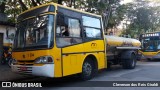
151, 43
35, 33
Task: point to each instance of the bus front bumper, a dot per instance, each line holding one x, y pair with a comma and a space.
153, 57
46, 70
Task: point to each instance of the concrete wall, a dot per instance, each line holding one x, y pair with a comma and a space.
11, 30
3, 17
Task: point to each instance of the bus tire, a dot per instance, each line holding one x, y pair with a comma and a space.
129, 63
88, 69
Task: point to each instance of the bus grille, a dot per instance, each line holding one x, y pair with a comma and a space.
26, 62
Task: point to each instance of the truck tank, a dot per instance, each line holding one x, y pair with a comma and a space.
121, 41
115, 43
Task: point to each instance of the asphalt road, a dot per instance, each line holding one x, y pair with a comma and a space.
144, 71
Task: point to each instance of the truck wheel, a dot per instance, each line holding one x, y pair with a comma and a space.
130, 63
88, 69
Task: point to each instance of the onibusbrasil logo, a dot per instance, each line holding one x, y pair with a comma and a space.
15, 84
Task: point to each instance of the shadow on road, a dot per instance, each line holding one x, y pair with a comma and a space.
154, 60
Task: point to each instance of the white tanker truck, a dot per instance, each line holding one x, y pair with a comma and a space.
120, 50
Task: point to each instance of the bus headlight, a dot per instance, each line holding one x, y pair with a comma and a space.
44, 60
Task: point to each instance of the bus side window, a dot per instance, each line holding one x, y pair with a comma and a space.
92, 28
70, 33
74, 30
62, 31
62, 34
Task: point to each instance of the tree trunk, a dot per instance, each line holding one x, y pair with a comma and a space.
74, 2
24, 7
2, 7
71, 3
60, 2
38, 1
34, 3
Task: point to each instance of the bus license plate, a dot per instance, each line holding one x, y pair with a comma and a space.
23, 68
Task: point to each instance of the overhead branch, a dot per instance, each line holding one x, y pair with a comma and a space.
34, 3
38, 1
2, 7
24, 7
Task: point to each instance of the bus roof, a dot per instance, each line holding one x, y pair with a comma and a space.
151, 32
55, 4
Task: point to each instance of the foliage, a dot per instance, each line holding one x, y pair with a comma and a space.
111, 8
143, 18
117, 16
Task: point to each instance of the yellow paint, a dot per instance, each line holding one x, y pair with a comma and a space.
55, 53
56, 5
7, 44
38, 64
149, 53
74, 56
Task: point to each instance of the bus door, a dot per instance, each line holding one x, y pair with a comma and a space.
69, 39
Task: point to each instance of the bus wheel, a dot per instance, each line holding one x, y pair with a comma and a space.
87, 69
129, 63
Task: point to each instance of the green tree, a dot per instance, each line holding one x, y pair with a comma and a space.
2, 6
14, 7
112, 10
142, 17
92, 6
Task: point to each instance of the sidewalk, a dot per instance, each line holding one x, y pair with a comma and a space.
7, 75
